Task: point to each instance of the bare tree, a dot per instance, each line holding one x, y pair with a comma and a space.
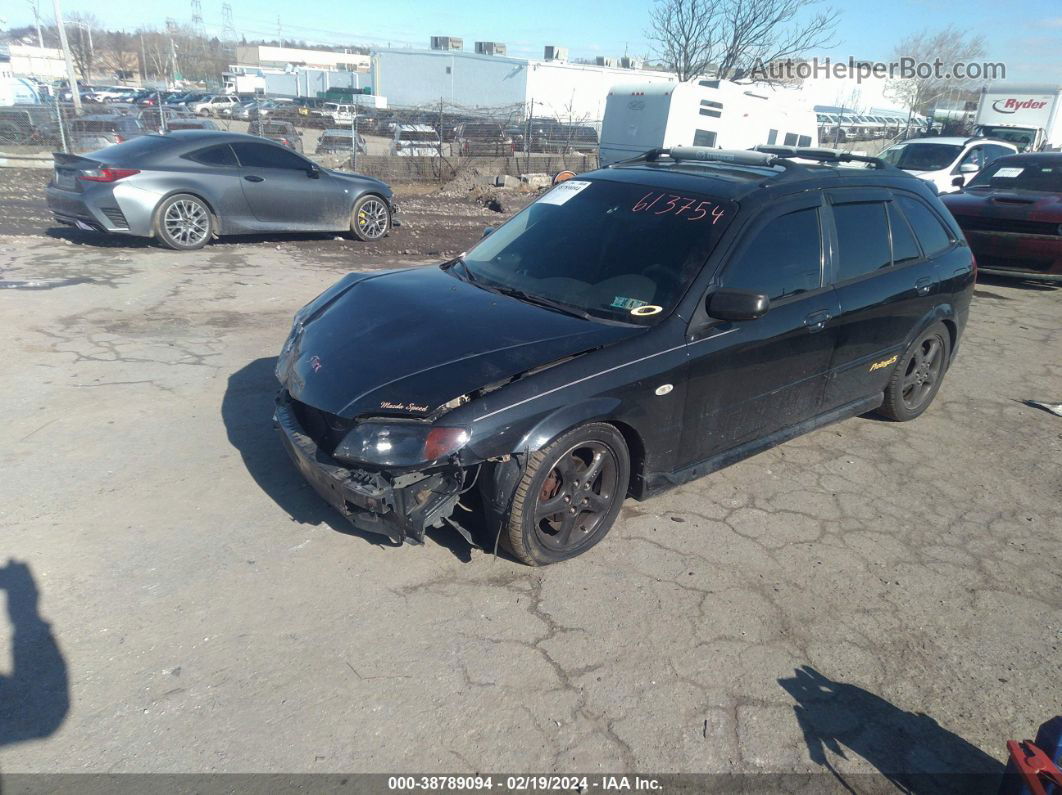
685, 33
729, 39
82, 45
948, 46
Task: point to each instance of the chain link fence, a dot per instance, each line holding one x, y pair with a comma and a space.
438, 142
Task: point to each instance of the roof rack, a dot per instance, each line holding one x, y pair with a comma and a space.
821, 154
763, 156
741, 157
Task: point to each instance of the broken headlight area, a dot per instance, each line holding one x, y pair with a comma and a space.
399, 500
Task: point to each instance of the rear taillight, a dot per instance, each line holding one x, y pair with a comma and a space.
118, 139
107, 174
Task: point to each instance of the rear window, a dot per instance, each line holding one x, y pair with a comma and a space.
219, 155
139, 147
419, 136
862, 239
929, 230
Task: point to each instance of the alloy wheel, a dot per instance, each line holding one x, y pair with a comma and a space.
577, 496
923, 372
372, 219
186, 222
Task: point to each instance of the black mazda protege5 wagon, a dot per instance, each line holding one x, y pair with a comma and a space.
632, 329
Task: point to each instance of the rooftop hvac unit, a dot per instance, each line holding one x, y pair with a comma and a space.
606, 61
627, 62
490, 48
447, 43
554, 53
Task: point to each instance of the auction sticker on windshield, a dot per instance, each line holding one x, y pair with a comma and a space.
563, 192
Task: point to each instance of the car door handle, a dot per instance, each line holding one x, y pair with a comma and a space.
923, 285
253, 178
817, 321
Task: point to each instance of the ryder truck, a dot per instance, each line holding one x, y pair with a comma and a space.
1025, 115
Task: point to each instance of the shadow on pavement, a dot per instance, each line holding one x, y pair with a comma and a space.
35, 695
247, 411
910, 749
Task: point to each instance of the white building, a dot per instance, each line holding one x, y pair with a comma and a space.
546, 88
43, 63
281, 57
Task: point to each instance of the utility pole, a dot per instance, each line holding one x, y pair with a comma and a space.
70, 76
37, 22
143, 60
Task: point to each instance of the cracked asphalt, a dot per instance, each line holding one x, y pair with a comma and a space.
874, 599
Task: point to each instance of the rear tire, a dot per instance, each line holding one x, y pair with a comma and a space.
583, 475
371, 218
183, 223
918, 375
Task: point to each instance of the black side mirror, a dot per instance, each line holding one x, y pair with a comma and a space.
737, 305
314, 171
958, 182
487, 230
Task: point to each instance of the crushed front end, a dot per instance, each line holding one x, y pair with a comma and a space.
400, 503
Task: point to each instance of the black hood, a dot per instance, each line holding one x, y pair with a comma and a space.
407, 342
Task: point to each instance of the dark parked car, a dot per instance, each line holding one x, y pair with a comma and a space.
634, 328
89, 133
282, 132
1011, 213
189, 186
484, 139
338, 142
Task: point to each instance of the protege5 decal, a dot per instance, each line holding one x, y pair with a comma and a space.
885, 363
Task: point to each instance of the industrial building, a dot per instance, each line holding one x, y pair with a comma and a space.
283, 57
550, 87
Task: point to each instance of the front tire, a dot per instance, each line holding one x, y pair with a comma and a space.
184, 223
569, 495
370, 219
918, 374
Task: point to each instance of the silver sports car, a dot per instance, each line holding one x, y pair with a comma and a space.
189, 186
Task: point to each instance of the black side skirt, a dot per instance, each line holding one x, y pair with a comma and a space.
657, 482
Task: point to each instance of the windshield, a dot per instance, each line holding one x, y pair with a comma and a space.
1016, 175
612, 250
921, 157
1014, 135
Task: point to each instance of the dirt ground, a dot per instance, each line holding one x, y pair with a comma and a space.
873, 601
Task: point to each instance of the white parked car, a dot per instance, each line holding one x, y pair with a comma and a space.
948, 163
415, 140
214, 105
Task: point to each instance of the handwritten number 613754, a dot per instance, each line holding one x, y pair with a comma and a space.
679, 206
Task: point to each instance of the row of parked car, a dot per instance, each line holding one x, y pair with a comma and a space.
841, 127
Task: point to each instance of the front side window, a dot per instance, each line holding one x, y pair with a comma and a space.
783, 258
862, 239
266, 156
604, 248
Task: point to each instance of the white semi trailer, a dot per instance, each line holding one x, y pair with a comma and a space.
714, 113
1026, 115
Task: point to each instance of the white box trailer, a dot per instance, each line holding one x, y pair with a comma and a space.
714, 113
1026, 115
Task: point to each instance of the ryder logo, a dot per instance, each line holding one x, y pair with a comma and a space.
1012, 105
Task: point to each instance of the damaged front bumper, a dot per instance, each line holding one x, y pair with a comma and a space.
400, 506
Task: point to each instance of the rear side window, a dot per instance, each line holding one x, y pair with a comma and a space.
214, 156
929, 230
266, 156
862, 239
904, 245
784, 258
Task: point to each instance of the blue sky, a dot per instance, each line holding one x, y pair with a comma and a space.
1028, 37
